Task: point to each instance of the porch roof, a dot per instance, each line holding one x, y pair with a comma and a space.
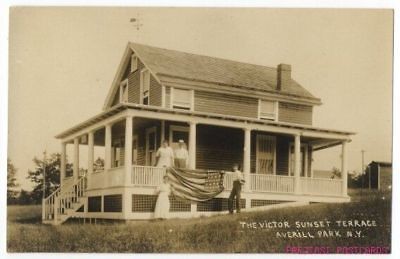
165, 111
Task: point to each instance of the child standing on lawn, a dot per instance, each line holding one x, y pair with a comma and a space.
162, 205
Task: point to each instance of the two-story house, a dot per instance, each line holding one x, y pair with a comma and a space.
227, 111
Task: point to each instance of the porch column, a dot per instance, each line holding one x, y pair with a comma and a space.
297, 163
344, 168
76, 158
63, 162
192, 158
246, 158
192, 145
107, 161
162, 135
128, 148
90, 158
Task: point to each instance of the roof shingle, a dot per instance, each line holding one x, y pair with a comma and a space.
215, 70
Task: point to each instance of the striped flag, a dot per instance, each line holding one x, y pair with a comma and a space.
195, 185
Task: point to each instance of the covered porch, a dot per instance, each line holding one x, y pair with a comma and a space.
276, 159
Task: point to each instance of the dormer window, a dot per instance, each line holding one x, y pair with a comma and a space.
267, 110
134, 63
123, 90
145, 87
182, 99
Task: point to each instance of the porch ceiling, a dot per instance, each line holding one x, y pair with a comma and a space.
120, 108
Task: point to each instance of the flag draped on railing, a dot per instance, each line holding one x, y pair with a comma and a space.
195, 185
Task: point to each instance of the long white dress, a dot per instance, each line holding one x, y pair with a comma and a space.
162, 204
165, 156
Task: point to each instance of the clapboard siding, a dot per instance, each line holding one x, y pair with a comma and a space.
155, 92
167, 96
134, 84
218, 148
225, 104
295, 113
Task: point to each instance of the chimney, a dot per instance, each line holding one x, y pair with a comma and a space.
284, 76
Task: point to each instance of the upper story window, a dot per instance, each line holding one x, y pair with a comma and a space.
134, 63
182, 98
145, 87
268, 110
123, 90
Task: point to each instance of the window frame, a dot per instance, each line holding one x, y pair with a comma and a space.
123, 86
191, 100
142, 83
134, 63
276, 107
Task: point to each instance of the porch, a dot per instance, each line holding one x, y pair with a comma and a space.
276, 160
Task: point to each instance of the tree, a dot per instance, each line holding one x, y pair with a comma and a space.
11, 183
24, 197
52, 170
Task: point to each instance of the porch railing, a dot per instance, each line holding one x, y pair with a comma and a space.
228, 181
271, 183
321, 186
147, 175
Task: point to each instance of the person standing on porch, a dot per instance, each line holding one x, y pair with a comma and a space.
161, 210
238, 180
165, 155
181, 155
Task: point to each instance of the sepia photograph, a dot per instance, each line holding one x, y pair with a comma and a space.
199, 130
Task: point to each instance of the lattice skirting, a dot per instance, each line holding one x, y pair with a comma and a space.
147, 203
218, 204
258, 203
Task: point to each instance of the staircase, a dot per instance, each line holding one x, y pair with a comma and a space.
64, 202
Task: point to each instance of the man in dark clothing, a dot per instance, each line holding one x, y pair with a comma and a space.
236, 189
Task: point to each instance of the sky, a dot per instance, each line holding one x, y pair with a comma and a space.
62, 62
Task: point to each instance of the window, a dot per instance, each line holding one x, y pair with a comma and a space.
266, 154
123, 90
267, 110
145, 86
182, 99
134, 63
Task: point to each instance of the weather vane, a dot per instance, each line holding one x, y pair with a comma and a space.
136, 23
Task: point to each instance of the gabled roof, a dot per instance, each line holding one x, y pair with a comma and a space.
193, 67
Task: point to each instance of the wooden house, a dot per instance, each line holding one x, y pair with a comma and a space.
227, 111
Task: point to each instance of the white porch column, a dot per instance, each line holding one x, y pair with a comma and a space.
344, 168
162, 135
76, 158
246, 158
90, 158
128, 148
297, 163
192, 158
107, 161
192, 146
63, 162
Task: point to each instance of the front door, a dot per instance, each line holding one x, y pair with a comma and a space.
266, 154
151, 146
177, 133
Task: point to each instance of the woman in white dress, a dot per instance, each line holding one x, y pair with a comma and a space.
162, 205
165, 155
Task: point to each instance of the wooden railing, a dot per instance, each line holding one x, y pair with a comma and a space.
321, 186
228, 181
63, 198
271, 183
147, 175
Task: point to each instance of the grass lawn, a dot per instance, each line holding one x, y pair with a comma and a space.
218, 234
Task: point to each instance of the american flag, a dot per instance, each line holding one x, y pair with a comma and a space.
195, 185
